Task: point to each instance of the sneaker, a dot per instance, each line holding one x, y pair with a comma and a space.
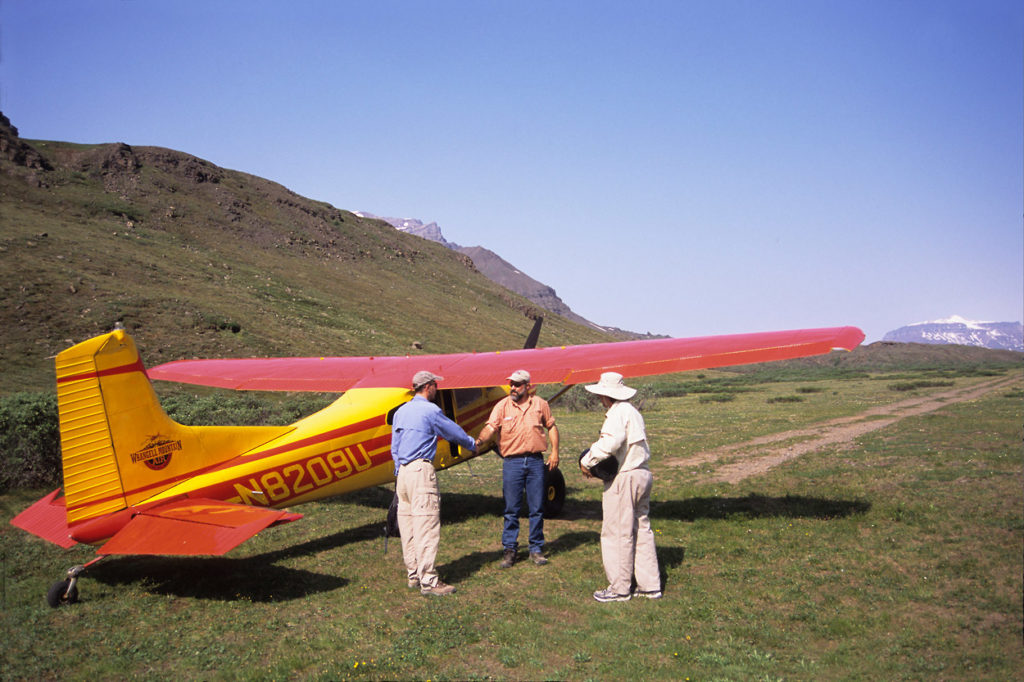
538, 558
508, 558
649, 594
414, 583
607, 595
440, 589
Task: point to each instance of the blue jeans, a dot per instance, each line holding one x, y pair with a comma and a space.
518, 474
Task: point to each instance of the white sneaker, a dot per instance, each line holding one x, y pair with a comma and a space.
607, 595
650, 594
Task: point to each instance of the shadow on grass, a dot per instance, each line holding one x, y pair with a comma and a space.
465, 566
257, 578
251, 579
758, 506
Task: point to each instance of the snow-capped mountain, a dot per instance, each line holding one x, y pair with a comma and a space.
431, 231
963, 332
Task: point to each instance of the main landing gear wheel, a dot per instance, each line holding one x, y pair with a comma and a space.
554, 492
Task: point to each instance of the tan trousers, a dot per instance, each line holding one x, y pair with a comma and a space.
419, 519
627, 542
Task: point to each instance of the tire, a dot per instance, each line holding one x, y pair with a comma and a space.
56, 595
554, 492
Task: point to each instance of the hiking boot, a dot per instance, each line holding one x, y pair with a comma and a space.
414, 583
538, 558
439, 589
607, 595
508, 558
649, 594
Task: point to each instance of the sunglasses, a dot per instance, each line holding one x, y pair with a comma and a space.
516, 384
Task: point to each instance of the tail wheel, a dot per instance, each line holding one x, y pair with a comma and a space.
554, 492
62, 592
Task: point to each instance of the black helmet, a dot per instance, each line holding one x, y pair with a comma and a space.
605, 469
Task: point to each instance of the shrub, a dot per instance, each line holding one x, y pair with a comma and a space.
785, 399
718, 398
29, 441
914, 385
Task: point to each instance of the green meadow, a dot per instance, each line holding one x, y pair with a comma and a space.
895, 556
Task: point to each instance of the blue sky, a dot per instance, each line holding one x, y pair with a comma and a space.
685, 168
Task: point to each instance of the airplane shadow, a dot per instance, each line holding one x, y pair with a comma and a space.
218, 578
258, 578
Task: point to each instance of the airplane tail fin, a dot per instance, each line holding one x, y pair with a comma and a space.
118, 445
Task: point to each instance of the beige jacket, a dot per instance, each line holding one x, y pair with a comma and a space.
622, 435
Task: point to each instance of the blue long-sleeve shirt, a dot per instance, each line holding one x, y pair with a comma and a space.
415, 429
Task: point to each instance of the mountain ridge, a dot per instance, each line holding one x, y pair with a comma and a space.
506, 274
195, 260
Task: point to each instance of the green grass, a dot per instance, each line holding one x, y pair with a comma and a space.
899, 558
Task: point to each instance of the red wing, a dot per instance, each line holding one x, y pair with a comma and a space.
192, 527
48, 519
566, 364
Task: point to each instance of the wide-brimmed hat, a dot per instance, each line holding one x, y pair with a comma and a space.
422, 378
611, 385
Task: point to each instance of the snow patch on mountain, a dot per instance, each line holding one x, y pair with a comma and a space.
961, 331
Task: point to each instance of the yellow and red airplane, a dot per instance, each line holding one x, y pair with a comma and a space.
136, 482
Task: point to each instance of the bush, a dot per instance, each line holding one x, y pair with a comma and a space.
717, 398
914, 385
29, 441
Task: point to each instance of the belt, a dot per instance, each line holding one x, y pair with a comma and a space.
523, 454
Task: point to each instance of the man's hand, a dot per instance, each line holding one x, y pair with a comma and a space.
586, 471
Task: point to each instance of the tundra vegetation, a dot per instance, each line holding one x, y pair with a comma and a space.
897, 555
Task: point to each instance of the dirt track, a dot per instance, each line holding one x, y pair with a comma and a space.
761, 454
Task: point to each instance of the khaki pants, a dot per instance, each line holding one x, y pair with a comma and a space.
627, 542
419, 519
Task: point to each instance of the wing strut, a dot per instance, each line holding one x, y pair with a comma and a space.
531, 340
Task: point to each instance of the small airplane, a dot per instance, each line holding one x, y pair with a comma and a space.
136, 482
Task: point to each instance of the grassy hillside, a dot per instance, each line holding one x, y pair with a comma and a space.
199, 261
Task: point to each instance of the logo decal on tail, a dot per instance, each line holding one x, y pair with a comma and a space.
156, 453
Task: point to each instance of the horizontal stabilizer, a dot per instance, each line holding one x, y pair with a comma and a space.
193, 527
47, 519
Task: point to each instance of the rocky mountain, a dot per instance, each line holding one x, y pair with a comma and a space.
415, 227
959, 331
500, 271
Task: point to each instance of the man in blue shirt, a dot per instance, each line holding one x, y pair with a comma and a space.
414, 432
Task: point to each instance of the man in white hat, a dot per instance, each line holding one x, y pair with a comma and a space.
627, 542
520, 421
415, 429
